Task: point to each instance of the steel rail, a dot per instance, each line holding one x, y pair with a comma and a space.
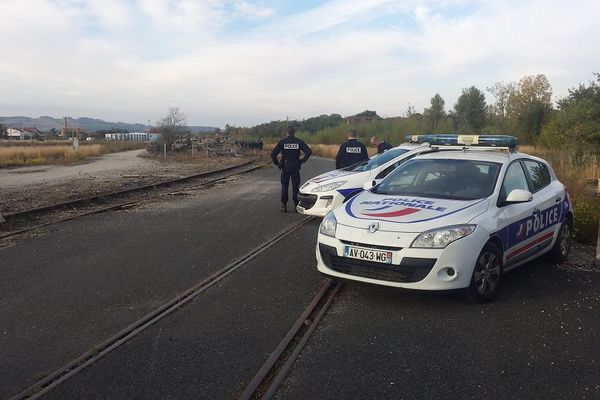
327, 291
52, 380
86, 200
276, 382
98, 211
116, 206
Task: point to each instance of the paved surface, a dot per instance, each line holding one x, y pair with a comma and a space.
69, 289
538, 340
108, 164
215, 345
63, 292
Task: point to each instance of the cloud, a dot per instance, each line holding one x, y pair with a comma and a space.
244, 62
246, 9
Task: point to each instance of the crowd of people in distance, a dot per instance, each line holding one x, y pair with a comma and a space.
256, 144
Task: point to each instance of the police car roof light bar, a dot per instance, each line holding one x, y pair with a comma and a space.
494, 141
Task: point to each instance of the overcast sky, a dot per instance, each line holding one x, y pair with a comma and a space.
245, 62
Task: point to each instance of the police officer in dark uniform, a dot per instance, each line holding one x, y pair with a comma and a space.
289, 164
351, 152
381, 145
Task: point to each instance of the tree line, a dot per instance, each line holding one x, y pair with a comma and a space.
524, 109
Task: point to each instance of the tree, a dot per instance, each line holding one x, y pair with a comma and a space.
530, 106
368, 114
436, 113
577, 119
498, 112
469, 110
172, 126
501, 92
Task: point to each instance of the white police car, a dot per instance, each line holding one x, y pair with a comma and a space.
325, 192
450, 220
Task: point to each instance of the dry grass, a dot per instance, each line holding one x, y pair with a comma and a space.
572, 167
43, 155
25, 153
34, 143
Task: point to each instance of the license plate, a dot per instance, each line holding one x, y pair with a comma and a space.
384, 257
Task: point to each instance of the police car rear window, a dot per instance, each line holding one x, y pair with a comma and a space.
376, 160
444, 179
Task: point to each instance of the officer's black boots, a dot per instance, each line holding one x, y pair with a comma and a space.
283, 208
296, 207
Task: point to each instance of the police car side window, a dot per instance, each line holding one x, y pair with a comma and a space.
514, 179
392, 167
539, 175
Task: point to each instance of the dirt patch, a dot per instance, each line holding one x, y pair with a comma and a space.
35, 194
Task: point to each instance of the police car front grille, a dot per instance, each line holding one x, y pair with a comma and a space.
409, 270
307, 200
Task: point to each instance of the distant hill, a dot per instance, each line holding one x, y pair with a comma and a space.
45, 123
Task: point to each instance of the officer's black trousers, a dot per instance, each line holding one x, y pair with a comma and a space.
294, 174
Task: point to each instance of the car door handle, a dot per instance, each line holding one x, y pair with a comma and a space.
536, 212
557, 200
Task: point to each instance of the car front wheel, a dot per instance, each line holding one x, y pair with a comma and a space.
562, 246
487, 275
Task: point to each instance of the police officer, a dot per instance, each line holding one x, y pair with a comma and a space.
381, 145
289, 164
351, 152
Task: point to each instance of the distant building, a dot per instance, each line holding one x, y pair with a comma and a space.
133, 136
24, 133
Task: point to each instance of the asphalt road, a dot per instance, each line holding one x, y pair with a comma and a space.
212, 348
538, 340
76, 285
66, 290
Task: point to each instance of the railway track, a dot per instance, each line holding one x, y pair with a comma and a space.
267, 374
13, 220
269, 377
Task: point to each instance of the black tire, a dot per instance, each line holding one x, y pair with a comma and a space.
562, 247
487, 275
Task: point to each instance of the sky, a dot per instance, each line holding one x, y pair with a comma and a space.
244, 62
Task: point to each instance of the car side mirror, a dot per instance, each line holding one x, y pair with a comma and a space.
369, 184
518, 196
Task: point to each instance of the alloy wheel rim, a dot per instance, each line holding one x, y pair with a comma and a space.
487, 273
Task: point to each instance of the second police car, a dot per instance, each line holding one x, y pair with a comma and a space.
325, 192
448, 220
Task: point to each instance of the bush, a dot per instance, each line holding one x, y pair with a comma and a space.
586, 212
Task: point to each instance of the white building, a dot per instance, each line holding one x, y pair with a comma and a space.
23, 133
133, 136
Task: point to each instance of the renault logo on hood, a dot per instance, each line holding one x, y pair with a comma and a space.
374, 227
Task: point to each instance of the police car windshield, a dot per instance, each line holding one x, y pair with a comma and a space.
444, 179
376, 160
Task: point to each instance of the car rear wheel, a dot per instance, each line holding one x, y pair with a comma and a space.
562, 246
487, 275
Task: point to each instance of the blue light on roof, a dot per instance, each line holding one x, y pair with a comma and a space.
466, 140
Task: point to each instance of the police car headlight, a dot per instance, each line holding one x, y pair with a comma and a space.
440, 238
328, 186
328, 225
